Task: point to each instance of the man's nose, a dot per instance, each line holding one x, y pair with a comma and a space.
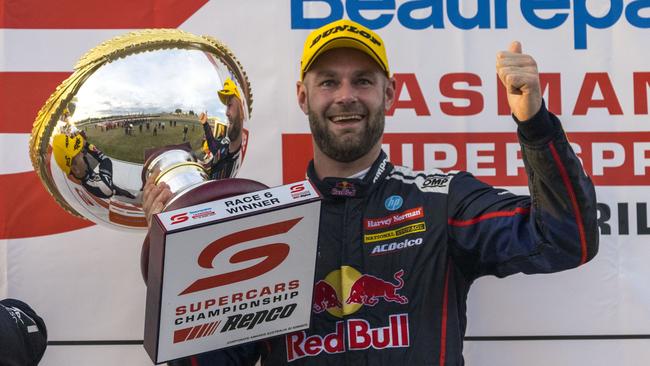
346, 93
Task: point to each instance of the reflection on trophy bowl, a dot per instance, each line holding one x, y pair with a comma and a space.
146, 90
188, 183
174, 166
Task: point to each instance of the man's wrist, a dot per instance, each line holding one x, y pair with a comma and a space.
539, 128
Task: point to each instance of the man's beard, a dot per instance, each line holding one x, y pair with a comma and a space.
348, 147
234, 129
235, 126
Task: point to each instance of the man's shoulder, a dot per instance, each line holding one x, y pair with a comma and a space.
432, 180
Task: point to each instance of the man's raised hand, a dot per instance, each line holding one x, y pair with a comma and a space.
518, 73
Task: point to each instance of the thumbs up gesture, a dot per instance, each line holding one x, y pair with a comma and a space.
518, 73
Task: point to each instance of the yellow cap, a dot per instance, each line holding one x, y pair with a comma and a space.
339, 34
229, 89
65, 148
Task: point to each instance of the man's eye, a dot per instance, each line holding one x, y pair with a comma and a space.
327, 83
364, 82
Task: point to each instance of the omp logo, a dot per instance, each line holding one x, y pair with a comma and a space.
272, 255
435, 182
418, 227
178, 218
487, 14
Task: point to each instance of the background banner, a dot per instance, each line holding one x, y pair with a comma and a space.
450, 113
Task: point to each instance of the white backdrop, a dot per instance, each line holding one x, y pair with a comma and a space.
85, 280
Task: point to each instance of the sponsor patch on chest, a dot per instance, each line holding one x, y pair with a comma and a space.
417, 227
393, 219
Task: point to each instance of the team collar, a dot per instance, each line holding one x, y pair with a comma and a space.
351, 187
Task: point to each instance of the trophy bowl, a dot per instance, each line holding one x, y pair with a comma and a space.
158, 101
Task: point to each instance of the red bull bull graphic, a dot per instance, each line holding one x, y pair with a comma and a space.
367, 290
360, 336
344, 291
325, 297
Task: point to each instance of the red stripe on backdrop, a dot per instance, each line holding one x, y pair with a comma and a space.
114, 14
27, 209
610, 158
297, 151
22, 95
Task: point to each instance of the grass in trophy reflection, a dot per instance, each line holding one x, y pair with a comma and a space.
125, 139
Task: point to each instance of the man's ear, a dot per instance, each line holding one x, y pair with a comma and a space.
301, 94
390, 93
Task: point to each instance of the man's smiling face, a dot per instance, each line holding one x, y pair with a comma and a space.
345, 94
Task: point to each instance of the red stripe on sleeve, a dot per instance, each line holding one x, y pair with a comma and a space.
491, 215
574, 201
443, 330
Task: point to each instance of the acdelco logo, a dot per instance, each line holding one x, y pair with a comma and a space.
489, 14
272, 254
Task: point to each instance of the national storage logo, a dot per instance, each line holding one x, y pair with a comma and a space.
488, 14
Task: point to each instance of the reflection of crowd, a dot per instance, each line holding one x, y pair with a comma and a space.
142, 125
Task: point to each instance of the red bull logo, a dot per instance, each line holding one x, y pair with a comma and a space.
325, 297
344, 188
357, 332
367, 290
345, 291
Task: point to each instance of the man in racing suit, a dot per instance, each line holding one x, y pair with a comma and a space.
75, 156
398, 249
226, 151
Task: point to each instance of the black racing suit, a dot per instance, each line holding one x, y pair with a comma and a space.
224, 162
398, 251
100, 183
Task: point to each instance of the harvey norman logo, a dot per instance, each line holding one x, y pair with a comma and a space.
394, 219
488, 14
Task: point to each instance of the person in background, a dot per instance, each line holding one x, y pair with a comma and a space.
23, 335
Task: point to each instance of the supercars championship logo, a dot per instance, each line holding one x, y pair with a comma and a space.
344, 292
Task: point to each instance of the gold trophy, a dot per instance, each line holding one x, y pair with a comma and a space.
144, 102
